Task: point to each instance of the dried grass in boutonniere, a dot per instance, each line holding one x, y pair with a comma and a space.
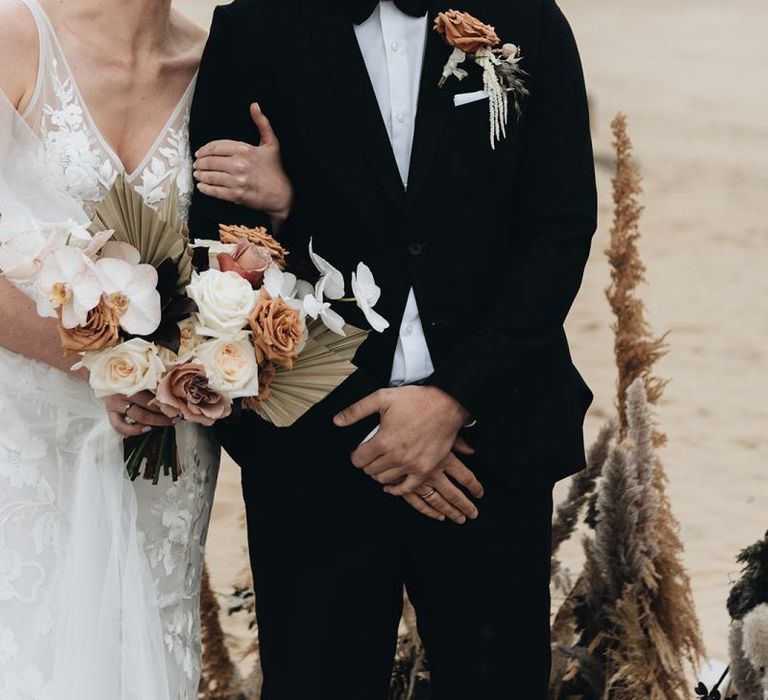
502, 74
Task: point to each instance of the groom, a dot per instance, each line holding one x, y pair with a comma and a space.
479, 254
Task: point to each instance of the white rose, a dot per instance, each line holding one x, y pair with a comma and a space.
224, 301
128, 368
231, 365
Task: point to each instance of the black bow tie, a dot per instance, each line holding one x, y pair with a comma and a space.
361, 10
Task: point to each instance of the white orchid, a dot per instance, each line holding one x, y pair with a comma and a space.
76, 236
331, 282
68, 281
132, 290
367, 295
120, 250
21, 257
314, 307
279, 283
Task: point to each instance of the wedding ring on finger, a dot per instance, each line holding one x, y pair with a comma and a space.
128, 419
428, 494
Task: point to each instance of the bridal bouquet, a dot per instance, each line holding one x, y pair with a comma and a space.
240, 327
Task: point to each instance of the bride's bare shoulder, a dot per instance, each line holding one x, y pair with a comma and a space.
191, 37
19, 49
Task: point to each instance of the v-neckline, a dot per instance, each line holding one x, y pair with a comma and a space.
96, 130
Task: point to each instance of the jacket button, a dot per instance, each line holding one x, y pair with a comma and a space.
416, 248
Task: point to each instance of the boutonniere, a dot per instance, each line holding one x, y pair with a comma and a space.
502, 74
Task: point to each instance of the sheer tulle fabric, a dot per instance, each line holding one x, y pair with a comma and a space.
79, 616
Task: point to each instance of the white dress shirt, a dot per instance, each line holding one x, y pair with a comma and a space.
392, 44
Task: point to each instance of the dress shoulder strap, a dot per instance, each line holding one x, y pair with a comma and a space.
47, 61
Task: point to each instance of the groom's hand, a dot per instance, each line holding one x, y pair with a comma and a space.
412, 453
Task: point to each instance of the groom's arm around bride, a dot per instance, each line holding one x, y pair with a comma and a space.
479, 253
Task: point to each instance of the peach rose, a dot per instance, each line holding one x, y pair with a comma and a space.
257, 236
185, 392
463, 31
249, 260
100, 331
278, 331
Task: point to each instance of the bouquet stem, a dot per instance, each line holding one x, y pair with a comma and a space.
152, 454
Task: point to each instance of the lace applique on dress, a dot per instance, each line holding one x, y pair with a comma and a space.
80, 158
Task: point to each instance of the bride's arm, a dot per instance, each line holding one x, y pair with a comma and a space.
24, 332
21, 330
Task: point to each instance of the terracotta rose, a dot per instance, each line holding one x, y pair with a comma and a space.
463, 31
100, 331
277, 331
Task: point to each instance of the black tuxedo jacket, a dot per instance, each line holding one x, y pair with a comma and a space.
494, 242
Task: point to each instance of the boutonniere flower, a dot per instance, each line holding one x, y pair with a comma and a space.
502, 74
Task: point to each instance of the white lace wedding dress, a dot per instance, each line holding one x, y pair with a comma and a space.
99, 577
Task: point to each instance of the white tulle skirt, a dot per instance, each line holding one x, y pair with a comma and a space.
79, 616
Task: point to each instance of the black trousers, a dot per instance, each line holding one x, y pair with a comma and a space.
331, 553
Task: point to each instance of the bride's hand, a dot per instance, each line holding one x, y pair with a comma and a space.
137, 409
251, 176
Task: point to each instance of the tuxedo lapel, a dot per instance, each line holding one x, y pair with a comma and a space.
434, 108
337, 48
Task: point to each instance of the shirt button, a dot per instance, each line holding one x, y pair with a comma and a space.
401, 117
416, 248
409, 329
395, 46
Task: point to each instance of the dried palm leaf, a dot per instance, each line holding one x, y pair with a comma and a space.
323, 365
157, 235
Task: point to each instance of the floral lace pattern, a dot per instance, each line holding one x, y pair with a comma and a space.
174, 524
85, 166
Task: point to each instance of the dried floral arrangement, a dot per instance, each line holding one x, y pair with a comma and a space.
627, 628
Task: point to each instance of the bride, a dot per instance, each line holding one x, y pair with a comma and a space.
99, 577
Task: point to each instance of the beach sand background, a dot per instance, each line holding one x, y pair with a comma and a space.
692, 76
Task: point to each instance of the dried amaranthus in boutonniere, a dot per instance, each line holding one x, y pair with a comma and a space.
502, 74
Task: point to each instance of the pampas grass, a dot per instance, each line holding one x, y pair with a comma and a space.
582, 487
635, 347
627, 630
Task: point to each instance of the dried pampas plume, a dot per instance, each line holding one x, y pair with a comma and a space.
627, 629
636, 349
581, 488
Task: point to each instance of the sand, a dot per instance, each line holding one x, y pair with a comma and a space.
692, 76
